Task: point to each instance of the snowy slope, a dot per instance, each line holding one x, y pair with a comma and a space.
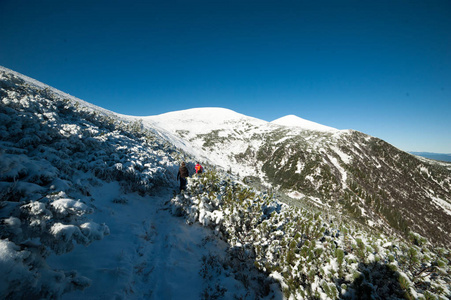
218, 135
198, 130
182, 127
83, 211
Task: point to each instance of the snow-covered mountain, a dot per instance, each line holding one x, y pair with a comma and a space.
220, 136
197, 131
89, 206
295, 121
343, 170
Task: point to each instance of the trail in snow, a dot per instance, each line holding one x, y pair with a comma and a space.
150, 254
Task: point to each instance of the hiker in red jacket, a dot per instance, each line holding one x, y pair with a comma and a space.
198, 168
183, 175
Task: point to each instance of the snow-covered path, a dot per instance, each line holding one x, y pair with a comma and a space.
150, 254
176, 258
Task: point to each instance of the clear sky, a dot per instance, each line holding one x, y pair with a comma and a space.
381, 67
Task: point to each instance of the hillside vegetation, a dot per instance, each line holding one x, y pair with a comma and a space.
312, 255
366, 178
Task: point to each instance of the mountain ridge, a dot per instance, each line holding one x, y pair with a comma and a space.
347, 169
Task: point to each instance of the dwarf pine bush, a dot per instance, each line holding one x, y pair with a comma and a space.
311, 257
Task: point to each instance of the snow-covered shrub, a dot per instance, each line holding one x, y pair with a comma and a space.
58, 223
68, 207
311, 258
29, 231
26, 275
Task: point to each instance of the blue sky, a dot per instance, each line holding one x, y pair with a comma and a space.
380, 67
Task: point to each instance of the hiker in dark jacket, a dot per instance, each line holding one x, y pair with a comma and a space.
183, 175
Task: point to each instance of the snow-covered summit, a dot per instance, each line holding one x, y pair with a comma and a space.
191, 129
201, 120
295, 121
217, 114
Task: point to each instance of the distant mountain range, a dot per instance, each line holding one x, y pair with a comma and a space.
434, 156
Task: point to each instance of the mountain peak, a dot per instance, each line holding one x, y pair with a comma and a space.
218, 114
201, 120
295, 121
